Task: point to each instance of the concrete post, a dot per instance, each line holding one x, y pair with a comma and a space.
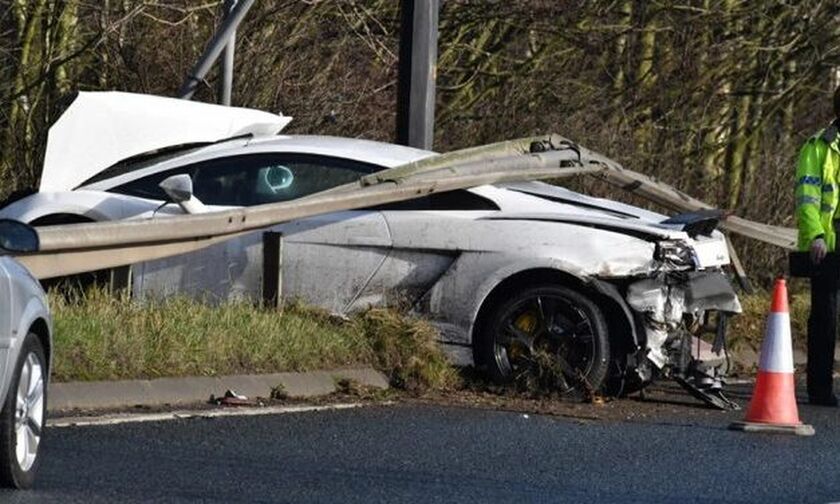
417, 73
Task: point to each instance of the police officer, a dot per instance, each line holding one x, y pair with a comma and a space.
817, 195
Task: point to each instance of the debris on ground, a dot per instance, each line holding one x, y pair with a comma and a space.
231, 398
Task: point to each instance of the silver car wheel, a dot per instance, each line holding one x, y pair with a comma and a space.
29, 411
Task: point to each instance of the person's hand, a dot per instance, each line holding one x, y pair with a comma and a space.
818, 250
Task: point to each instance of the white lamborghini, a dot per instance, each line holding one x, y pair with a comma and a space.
612, 292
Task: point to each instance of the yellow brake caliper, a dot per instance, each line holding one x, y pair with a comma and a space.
527, 323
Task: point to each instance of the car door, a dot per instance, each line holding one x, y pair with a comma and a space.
425, 244
327, 260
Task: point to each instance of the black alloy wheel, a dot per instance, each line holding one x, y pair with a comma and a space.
547, 331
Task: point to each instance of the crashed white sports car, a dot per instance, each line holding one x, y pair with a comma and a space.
613, 293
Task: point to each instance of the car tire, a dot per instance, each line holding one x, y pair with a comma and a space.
20, 428
571, 326
624, 384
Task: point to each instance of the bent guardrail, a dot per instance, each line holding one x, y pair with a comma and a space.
75, 248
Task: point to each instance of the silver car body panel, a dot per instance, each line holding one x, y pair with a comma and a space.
23, 303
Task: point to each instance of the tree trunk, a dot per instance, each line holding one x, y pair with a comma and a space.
620, 52
645, 80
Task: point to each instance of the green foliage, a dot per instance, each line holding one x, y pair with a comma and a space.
103, 337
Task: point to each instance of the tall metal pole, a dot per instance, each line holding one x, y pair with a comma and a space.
417, 73
225, 83
214, 48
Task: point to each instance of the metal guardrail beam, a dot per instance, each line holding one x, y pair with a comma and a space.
51, 264
481, 153
673, 199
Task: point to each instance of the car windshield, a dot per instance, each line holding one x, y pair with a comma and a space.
141, 161
151, 158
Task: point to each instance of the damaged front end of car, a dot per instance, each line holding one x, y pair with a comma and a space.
681, 312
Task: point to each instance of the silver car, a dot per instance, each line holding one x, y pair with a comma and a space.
25, 348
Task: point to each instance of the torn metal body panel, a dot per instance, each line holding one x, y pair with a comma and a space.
99, 129
672, 302
676, 309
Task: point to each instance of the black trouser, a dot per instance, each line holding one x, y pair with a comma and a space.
822, 334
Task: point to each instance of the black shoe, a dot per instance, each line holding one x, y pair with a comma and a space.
829, 400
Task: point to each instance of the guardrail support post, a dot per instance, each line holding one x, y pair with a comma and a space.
272, 282
119, 279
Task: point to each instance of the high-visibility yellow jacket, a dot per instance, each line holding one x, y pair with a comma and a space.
817, 187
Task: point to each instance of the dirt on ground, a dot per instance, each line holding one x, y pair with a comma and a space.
662, 401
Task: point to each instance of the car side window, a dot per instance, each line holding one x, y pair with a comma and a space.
256, 179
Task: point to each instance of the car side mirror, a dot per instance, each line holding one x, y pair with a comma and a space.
179, 188
17, 237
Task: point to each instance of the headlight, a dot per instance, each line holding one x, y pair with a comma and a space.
676, 253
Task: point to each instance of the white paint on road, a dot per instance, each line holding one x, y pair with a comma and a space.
122, 418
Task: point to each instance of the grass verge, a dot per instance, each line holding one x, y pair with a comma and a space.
747, 329
102, 337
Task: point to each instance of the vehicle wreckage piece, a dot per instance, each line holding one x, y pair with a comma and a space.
672, 305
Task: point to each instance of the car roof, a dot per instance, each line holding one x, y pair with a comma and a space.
381, 154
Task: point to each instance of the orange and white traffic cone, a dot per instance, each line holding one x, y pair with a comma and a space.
773, 405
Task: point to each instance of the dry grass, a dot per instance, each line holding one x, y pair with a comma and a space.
408, 348
100, 337
747, 329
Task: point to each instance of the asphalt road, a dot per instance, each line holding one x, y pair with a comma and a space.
427, 453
